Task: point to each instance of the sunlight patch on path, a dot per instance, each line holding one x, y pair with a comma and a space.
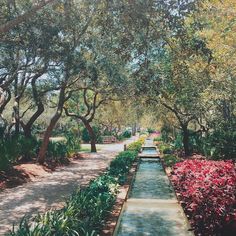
50, 191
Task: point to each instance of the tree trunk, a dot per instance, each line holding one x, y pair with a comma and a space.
17, 118
186, 140
28, 126
47, 134
53, 122
92, 136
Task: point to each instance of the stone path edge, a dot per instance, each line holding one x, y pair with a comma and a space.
110, 226
177, 197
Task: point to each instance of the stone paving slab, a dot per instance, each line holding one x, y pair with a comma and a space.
165, 220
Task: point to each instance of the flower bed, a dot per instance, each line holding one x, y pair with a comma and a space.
207, 191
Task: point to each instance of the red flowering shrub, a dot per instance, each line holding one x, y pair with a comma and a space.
207, 191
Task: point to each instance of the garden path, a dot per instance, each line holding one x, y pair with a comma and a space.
51, 190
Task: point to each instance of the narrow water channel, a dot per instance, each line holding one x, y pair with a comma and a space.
152, 208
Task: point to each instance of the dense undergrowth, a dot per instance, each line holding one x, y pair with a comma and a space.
20, 148
207, 190
86, 210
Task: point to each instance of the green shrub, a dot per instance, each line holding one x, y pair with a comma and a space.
28, 147
178, 142
157, 139
135, 146
12, 148
57, 151
162, 147
150, 130
167, 151
73, 143
126, 134
170, 160
86, 137
121, 164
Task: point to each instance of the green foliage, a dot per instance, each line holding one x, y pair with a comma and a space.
150, 130
86, 137
13, 148
166, 132
126, 134
57, 151
85, 211
167, 151
157, 139
170, 160
9, 152
223, 139
73, 142
178, 142
137, 145
28, 147
163, 147
120, 166
219, 143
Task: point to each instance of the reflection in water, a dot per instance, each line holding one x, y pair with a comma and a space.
151, 181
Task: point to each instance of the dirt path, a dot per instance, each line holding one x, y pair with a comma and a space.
51, 190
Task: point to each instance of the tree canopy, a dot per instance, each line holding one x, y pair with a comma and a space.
74, 57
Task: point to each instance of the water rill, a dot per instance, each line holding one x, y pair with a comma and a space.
152, 207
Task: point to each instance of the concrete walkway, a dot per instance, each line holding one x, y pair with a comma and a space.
51, 190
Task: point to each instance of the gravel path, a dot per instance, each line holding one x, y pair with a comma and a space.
51, 190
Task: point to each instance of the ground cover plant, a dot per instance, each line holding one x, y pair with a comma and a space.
170, 160
207, 190
86, 210
137, 145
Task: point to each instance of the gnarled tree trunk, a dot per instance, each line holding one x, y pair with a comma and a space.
92, 136
47, 134
53, 122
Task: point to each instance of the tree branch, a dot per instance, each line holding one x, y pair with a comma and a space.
20, 19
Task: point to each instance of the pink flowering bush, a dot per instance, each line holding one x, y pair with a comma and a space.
207, 192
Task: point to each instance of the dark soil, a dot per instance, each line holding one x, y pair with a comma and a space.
25, 172
12, 178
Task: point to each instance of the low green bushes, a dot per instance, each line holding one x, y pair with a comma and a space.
127, 134
167, 150
120, 166
85, 211
170, 160
137, 145
164, 148
98, 134
157, 139
13, 148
